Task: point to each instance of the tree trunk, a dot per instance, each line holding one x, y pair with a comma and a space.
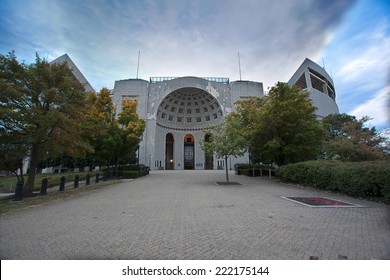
20, 176
226, 167
34, 160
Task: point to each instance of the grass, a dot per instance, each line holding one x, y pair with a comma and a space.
8, 184
7, 206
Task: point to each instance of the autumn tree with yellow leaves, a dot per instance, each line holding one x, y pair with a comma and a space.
42, 111
113, 139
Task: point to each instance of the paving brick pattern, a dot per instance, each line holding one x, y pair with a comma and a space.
186, 215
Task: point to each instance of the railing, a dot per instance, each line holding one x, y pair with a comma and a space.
211, 79
161, 79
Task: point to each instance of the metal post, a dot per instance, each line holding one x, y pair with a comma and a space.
239, 64
18, 191
97, 178
76, 181
88, 180
44, 187
62, 184
139, 52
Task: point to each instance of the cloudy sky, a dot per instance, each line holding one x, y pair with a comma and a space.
202, 38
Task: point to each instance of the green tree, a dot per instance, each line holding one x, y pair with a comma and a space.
349, 139
114, 139
101, 112
11, 159
132, 129
282, 127
42, 107
225, 140
335, 123
100, 123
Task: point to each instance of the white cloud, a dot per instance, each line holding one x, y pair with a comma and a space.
182, 37
364, 67
377, 107
372, 60
273, 38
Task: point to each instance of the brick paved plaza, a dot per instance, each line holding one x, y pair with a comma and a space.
185, 215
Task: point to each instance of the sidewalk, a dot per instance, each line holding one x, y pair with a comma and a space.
186, 215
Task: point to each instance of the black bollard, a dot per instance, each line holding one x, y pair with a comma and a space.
62, 184
18, 191
88, 180
44, 187
76, 181
97, 178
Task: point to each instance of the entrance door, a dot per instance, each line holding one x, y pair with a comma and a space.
209, 159
169, 143
189, 153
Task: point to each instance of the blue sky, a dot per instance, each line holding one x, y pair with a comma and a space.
202, 38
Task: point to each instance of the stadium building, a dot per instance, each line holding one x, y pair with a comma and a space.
178, 109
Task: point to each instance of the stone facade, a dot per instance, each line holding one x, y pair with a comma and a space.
76, 72
177, 110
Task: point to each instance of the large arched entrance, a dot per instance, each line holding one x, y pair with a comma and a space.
169, 156
186, 112
189, 153
209, 159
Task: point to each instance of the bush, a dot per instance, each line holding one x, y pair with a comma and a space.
131, 167
357, 179
256, 172
133, 174
126, 172
253, 169
242, 166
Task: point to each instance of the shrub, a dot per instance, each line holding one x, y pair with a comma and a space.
256, 171
133, 174
242, 166
253, 169
357, 179
127, 172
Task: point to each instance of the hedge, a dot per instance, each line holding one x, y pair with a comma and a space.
253, 169
128, 172
369, 179
133, 174
256, 172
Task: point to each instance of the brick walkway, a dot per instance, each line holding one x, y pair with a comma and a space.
185, 215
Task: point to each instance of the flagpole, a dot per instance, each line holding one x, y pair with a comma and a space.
139, 52
239, 64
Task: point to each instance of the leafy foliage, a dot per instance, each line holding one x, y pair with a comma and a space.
370, 179
39, 106
225, 141
350, 139
281, 127
113, 139
11, 159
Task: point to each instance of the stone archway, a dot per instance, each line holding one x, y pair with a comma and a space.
169, 151
189, 151
187, 111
